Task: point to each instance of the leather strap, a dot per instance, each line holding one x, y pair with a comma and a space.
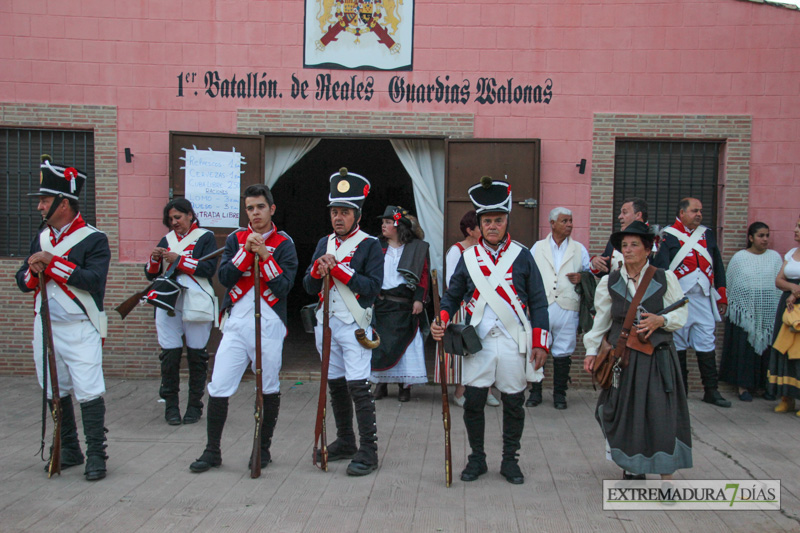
637, 299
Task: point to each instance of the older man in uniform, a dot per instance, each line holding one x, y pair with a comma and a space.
74, 258
560, 260
276, 270
690, 250
355, 262
501, 284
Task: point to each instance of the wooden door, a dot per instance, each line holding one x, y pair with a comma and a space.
252, 149
512, 160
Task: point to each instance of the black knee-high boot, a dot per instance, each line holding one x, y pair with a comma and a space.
71, 454
475, 422
344, 447
198, 375
94, 416
171, 384
684, 369
707, 362
272, 404
212, 456
513, 424
365, 460
561, 379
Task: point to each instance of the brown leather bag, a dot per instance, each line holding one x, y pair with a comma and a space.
609, 357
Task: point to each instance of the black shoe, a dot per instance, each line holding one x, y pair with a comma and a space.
631, 477
362, 464
404, 394
769, 397
192, 415
510, 470
265, 461
536, 396
339, 450
381, 391
746, 396
475, 468
95, 468
206, 461
713, 397
559, 401
172, 415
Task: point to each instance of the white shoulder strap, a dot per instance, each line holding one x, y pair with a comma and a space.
67, 244
362, 316
692, 243
178, 246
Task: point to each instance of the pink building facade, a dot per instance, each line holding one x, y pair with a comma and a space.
577, 75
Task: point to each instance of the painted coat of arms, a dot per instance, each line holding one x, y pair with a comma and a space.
359, 34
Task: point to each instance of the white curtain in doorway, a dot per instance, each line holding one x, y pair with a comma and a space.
423, 159
281, 153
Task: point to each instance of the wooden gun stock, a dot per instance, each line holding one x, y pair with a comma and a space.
48, 350
125, 308
255, 457
320, 431
448, 470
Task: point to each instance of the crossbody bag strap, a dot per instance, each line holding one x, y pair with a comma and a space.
637, 299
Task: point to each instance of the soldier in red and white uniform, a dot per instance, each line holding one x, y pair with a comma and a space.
690, 250
194, 311
74, 257
355, 262
501, 285
277, 270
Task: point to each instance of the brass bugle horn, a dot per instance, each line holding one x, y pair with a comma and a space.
361, 337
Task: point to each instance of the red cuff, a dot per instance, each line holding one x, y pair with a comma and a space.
315, 270
270, 268
187, 265
153, 267
31, 281
540, 338
343, 273
60, 269
444, 316
243, 260
724, 293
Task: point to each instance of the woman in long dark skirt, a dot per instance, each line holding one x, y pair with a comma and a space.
752, 300
645, 417
783, 376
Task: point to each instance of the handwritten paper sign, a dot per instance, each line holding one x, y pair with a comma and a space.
212, 185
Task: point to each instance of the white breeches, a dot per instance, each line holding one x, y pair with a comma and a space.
79, 359
171, 328
238, 349
348, 358
698, 333
498, 363
563, 329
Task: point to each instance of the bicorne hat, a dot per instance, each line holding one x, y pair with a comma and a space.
59, 180
491, 196
348, 189
396, 213
636, 227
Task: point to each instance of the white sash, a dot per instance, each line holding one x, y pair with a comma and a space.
194, 307
98, 318
178, 246
692, 243
487, 289
363, 317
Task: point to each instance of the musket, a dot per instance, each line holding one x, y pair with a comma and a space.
255, 457
49, 363
320, 432
448, 470
125, 308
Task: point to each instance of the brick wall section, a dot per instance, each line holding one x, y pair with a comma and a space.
131, 345
735, 130
383, 123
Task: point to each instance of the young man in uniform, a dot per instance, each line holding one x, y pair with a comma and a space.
499, 281
355, 263
277, 270
74, 258
690, 250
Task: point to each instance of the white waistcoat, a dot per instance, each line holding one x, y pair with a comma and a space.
557, 286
